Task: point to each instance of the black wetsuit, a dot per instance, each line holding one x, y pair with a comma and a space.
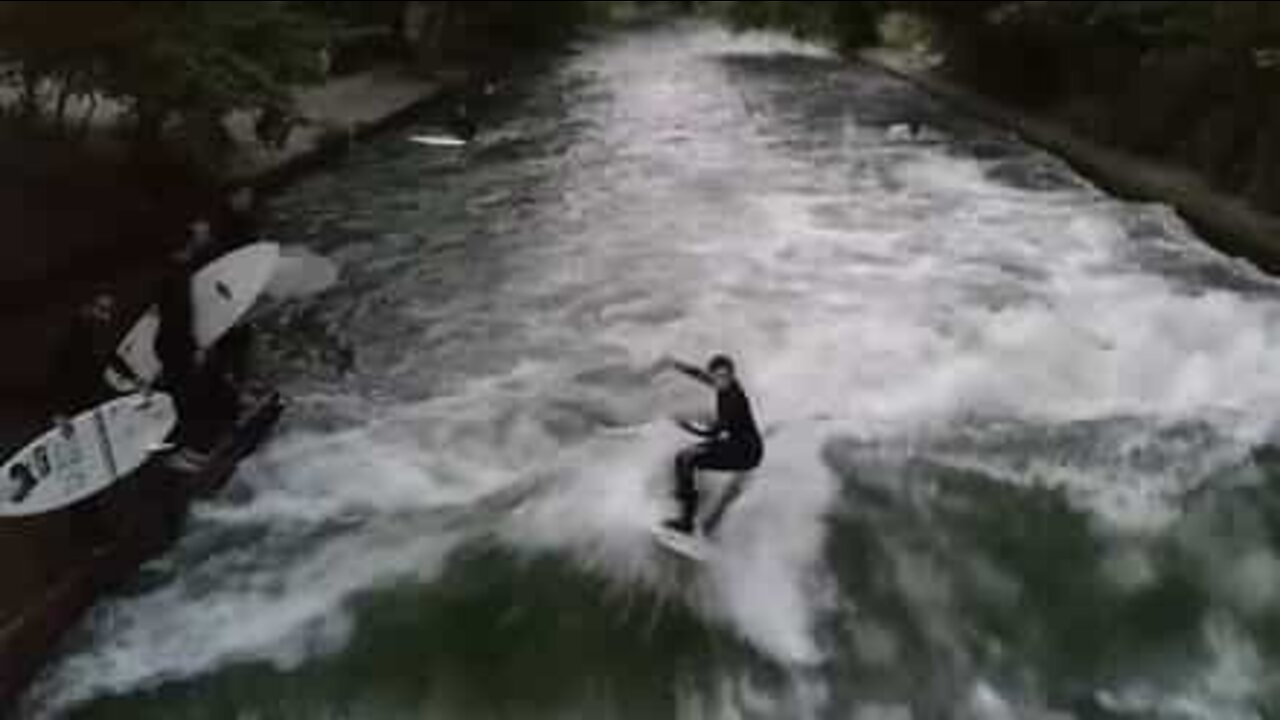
733, 443
176, 342
205, 397
204, 402
88, 347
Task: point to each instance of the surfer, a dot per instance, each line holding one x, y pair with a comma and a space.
236, 227
176, 342
731, 442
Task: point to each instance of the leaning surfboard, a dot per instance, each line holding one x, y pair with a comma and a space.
222, 292
95, 448
300, 273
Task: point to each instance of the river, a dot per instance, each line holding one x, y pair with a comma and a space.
1017, 428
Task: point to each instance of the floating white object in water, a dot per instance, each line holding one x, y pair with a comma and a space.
437, 140
301, 273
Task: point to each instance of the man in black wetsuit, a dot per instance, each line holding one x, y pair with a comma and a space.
731, 443
196, 390
176, 341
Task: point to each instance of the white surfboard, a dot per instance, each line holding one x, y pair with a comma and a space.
224, 290
99, 446
437, 140
301, 273
138, 351
221, 293
687, 546
721, 489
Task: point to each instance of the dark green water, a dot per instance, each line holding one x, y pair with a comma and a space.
1017, 457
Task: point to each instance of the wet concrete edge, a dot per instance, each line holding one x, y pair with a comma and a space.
1227, 222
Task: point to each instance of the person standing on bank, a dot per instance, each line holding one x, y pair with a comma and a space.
732, 442
176, 345
238, 223
85, 350
176, 342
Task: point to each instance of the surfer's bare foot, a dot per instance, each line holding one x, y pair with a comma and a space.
678, 525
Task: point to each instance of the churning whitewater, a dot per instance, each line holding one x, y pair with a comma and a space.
1017, 429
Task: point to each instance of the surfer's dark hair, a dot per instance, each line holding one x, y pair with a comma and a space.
718, 362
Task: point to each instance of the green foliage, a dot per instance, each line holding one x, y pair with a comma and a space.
38, 45
451, 31
524, 24
191, 61
354, 12
1140, 25
1188, 82
848, 25
208, 58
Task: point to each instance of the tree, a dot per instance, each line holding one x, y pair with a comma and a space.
43, 48
190, 62
848, 25
201, 60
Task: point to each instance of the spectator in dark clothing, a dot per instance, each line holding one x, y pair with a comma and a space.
176, 345
85, 352
238, 224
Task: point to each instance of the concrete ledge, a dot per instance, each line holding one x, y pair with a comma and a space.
1226, 221
333, 116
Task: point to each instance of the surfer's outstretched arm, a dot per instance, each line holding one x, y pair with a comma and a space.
692, 371
701, 431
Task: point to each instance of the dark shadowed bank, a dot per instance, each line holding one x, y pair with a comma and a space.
100, 175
